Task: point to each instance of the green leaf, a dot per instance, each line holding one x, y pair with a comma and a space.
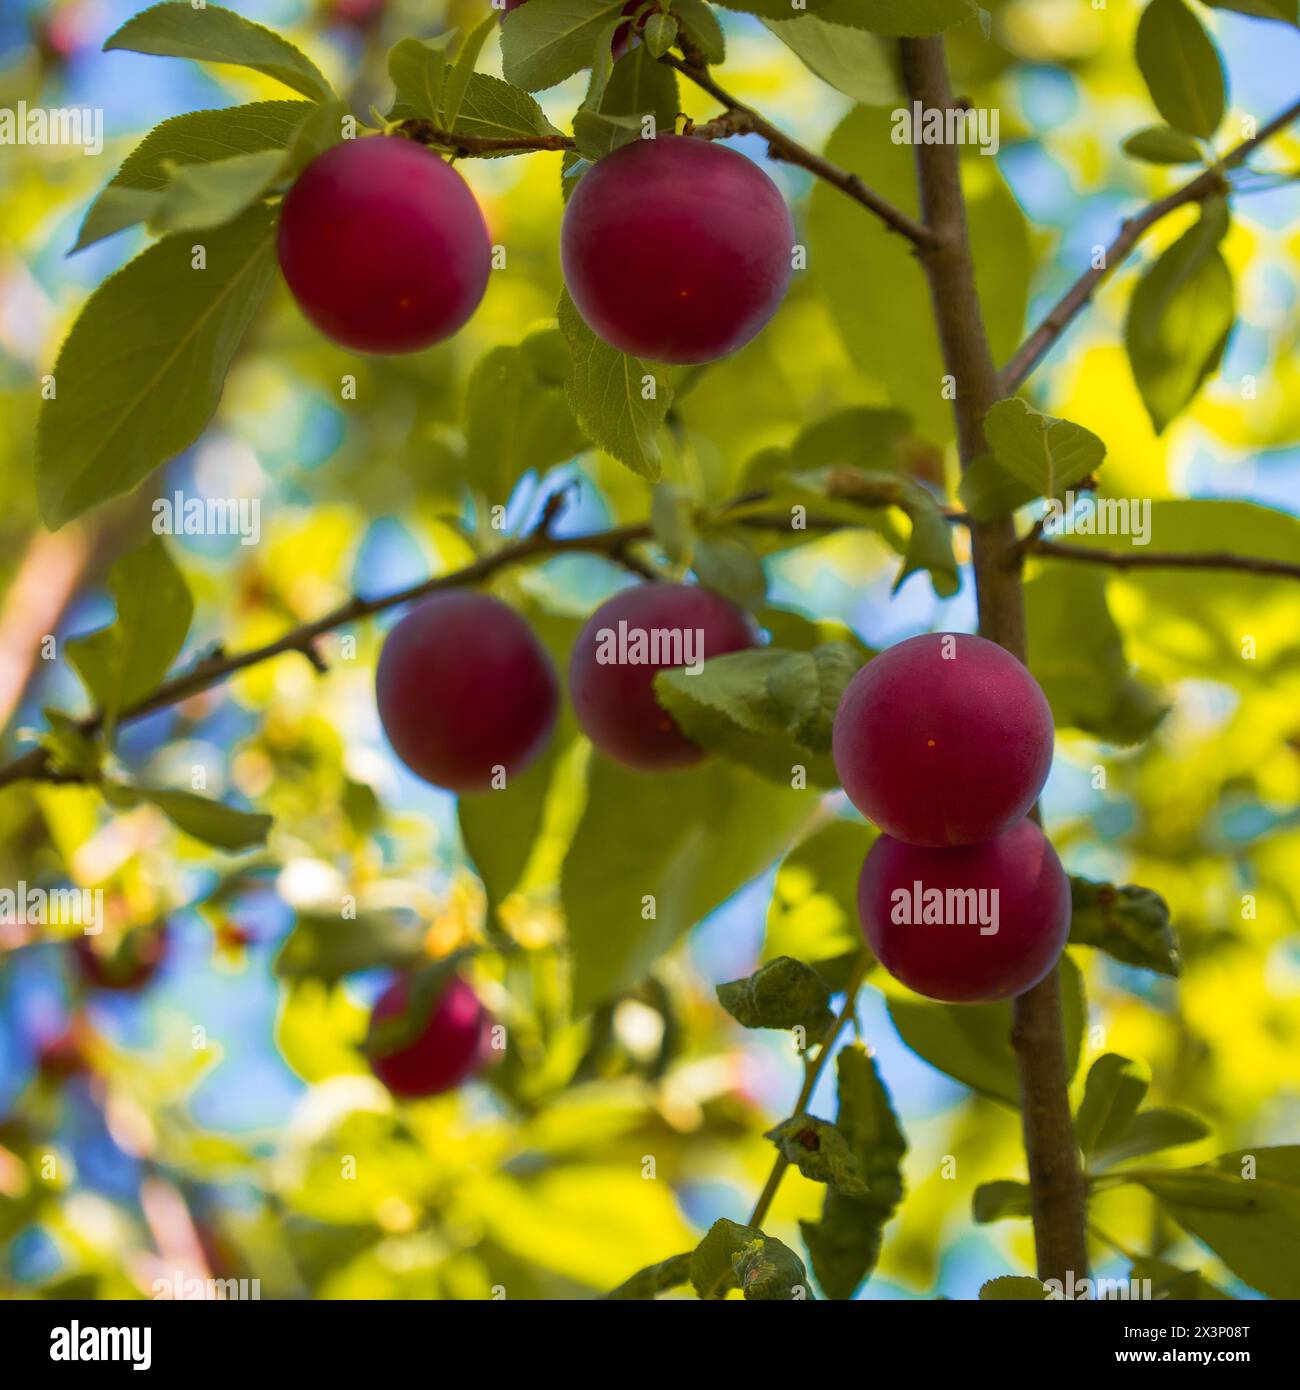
494, 110
200, 137
70, 748
901, 18
141, 372
820, 1152
773, 9
1169, 1281
887, 323
1115, 1087
676, 847
731, 569
1129, 923
1252, 1224
989, 491
619, 402
545, 41
639, 86
1181, 66
124, 662
852, 61
1148, 1132
1179, 318
202, 196
813, 914
784, 993
1044, 453
1162, 144
732, 1255
1013, 1287
325, 947
972, 1042
770, 709
672, 521
996, 1201
418, 70
215, 35
702, 28
655, 1279
1077, 655
462, 70
1284, 10
660, 32
209, 821
845, 1244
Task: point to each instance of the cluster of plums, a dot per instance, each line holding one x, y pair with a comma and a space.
945, 741
673, 248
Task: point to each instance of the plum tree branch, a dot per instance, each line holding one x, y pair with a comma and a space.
1058, 1195
1180, 560
1207, 183
744, 120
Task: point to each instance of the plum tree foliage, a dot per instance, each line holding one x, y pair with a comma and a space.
660, 387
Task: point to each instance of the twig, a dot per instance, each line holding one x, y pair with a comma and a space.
1159, 559
1210, 181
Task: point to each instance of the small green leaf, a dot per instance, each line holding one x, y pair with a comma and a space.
462, 70
1284, 10
990, 492
731, 569
996, 1201
325, 947
418, 70
1044, 453
701, 26
784, 993
732, 1255
820, 1152
141, 372
71, 750
1013, 1287
209, 821
654, 1279
1127, 922
124, 662
1169, 1281
660, 32
211, 34
619, 402
1150, 1131
1115, 1087
1162, 144
673, 522
1181, 66
853, 61
545, 41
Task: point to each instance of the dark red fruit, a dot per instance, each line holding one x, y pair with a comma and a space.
383, 245
956, 958
612, 687
676, 249
943, 749
464, 687
355, 14
450, 1047
129, 965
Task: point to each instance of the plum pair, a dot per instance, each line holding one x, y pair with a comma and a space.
674, 249
945, 741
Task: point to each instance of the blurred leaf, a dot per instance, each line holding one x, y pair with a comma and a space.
701, 26
1128, 922
1044, 453
319, 1030
771, 9
1168, 1281
141, 372
902, 18
124, 662
1285, 10
619, 402
1180, 316
1181, 66
216, 35
732, 1256
655, 1279
199, 137
326, 947
845, 1244
852, 61
206, 820
1115, 1087
70, 749
1162, 144
462, 69
996, 1201
1149, 1132
418, 70
1077, 656
1252, 1224
731, 569
672, 522
545, 41
972, 1042
201, 196
784, 993
654, 855
1017, 1287
820, 1152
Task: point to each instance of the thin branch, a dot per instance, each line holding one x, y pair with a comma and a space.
1177, 560
464, 146
1207, 183
743, 120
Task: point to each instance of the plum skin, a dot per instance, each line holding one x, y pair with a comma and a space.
943, 751
956, 963
450, 1048
615, 704
676, 249
383, 245
464, 686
